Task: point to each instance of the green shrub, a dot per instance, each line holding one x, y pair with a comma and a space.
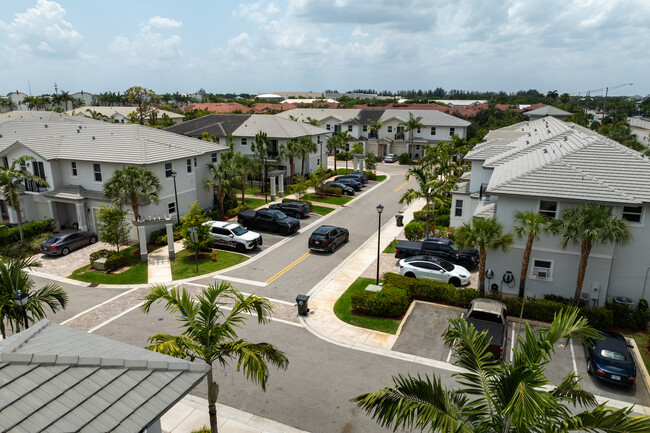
234, 211
542, 309
389, 302
216, 214
116, 261
443, 220
565, 300
285, 200
12, 235
598, 317
465, 296
404, 158
329, 191
415, 230
156, 234
642, 315
421, 215
371, 175
100, 254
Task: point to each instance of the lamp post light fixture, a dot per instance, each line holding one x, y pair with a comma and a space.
21, 300
178, 218
380, 209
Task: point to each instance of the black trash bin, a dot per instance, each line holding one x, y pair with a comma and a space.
400, 219
301, 302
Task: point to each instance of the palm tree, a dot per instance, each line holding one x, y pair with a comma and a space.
65, 98
430, 188
133, 185
412, 124
311, 121
530, 225
221, 178
589, 225
11, 180
289, 151
210, 333
244, 167
500, 397
305, 147
338, 141
260, 148
13, 279
484, 234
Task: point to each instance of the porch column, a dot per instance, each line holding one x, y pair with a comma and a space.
361, 164
142, 236
281, 185
170, 240
81, 216
354, 164
272, 182
50, 207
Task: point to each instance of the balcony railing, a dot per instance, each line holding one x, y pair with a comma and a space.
32, 186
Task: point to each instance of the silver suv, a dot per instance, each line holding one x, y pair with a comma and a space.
233, 235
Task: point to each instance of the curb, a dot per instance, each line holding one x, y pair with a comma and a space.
638, 360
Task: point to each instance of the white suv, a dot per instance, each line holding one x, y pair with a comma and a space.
233, 235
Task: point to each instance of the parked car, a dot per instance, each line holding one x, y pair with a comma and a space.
345, 189
296, 209
434, 268
268, 219
439, 247
351, 182
327, 238
610, 360
358, 176
363, 175
232, 235
391, 157
62, 243
490, 316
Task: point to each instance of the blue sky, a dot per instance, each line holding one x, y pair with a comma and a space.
313, 45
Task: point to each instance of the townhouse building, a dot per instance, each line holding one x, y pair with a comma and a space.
546, 166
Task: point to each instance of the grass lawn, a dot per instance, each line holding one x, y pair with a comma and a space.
643, 343
184, 266
331, 200
254, 191
342, 311
135, 274
254, 203
390, 249
321, 210
381, 177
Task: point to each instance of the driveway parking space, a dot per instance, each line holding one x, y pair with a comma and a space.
65, 265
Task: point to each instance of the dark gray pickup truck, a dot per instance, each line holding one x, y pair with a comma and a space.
491, 316
268, 219
439, 247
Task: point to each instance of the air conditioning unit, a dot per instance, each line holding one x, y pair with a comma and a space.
541, 273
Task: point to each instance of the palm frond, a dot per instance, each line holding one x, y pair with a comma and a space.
605, 419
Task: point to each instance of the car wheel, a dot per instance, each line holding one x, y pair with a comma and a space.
455, 282
409, 274
240, 248
65, 251
298, 215
589, 371
283, 231
93, 239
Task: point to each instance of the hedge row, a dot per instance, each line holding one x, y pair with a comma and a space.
400, 290
329, 191
12, 235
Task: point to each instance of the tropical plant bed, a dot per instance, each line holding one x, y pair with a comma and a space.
134, 273
321, 210
381, 177
343, 311
328, 199
184, 265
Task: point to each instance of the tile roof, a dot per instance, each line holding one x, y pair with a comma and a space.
55, 378
547, 110
429, 117
46, 116
111, 111
102, 142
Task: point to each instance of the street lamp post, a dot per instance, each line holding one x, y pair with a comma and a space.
607, 91
178, 218
380, 209
21, 300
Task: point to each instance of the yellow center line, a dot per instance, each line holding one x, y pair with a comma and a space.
404, 184
288, 267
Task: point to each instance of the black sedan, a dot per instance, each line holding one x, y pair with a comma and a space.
296, 209
610, 360
327, 238
61, 244
345, 189
353, 183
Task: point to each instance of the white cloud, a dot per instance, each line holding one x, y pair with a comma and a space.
42, 30
149, 49
256, 12
358, 33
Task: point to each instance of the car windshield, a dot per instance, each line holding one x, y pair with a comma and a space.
239, 230
610, 354
280, 215
446, 265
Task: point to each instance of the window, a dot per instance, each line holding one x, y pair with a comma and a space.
433, 130
244, 142
542, 269
633, 214
214, 157
328, 127
189, 165
390, 128
5, 162
171, 207
459, 208
417, 130
195, 163
168, 169
452, 131
73, 165
548, 208
97, 169
349, 128
365, 128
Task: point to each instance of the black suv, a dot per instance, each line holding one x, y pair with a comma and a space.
327, 238
358, 176
296, 209
351, 182
448, 250
345, 189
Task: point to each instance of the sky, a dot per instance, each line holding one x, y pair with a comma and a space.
313, 45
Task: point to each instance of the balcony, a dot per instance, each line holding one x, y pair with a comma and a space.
32, 186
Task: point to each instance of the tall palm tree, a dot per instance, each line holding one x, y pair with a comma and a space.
305, 147
529, 225
588, 225
14, 278
289, 151
244, 167
338, 141
430, 188
221, 178
65, 97
133, 185
312, 121
411, 125
260, 148
500, 397
11, 180
484, 234
210, 333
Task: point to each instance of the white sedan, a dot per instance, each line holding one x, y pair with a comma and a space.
434, 268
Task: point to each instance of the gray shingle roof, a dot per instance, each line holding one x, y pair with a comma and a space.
55, 378
46, 116
103, 142
429, 117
